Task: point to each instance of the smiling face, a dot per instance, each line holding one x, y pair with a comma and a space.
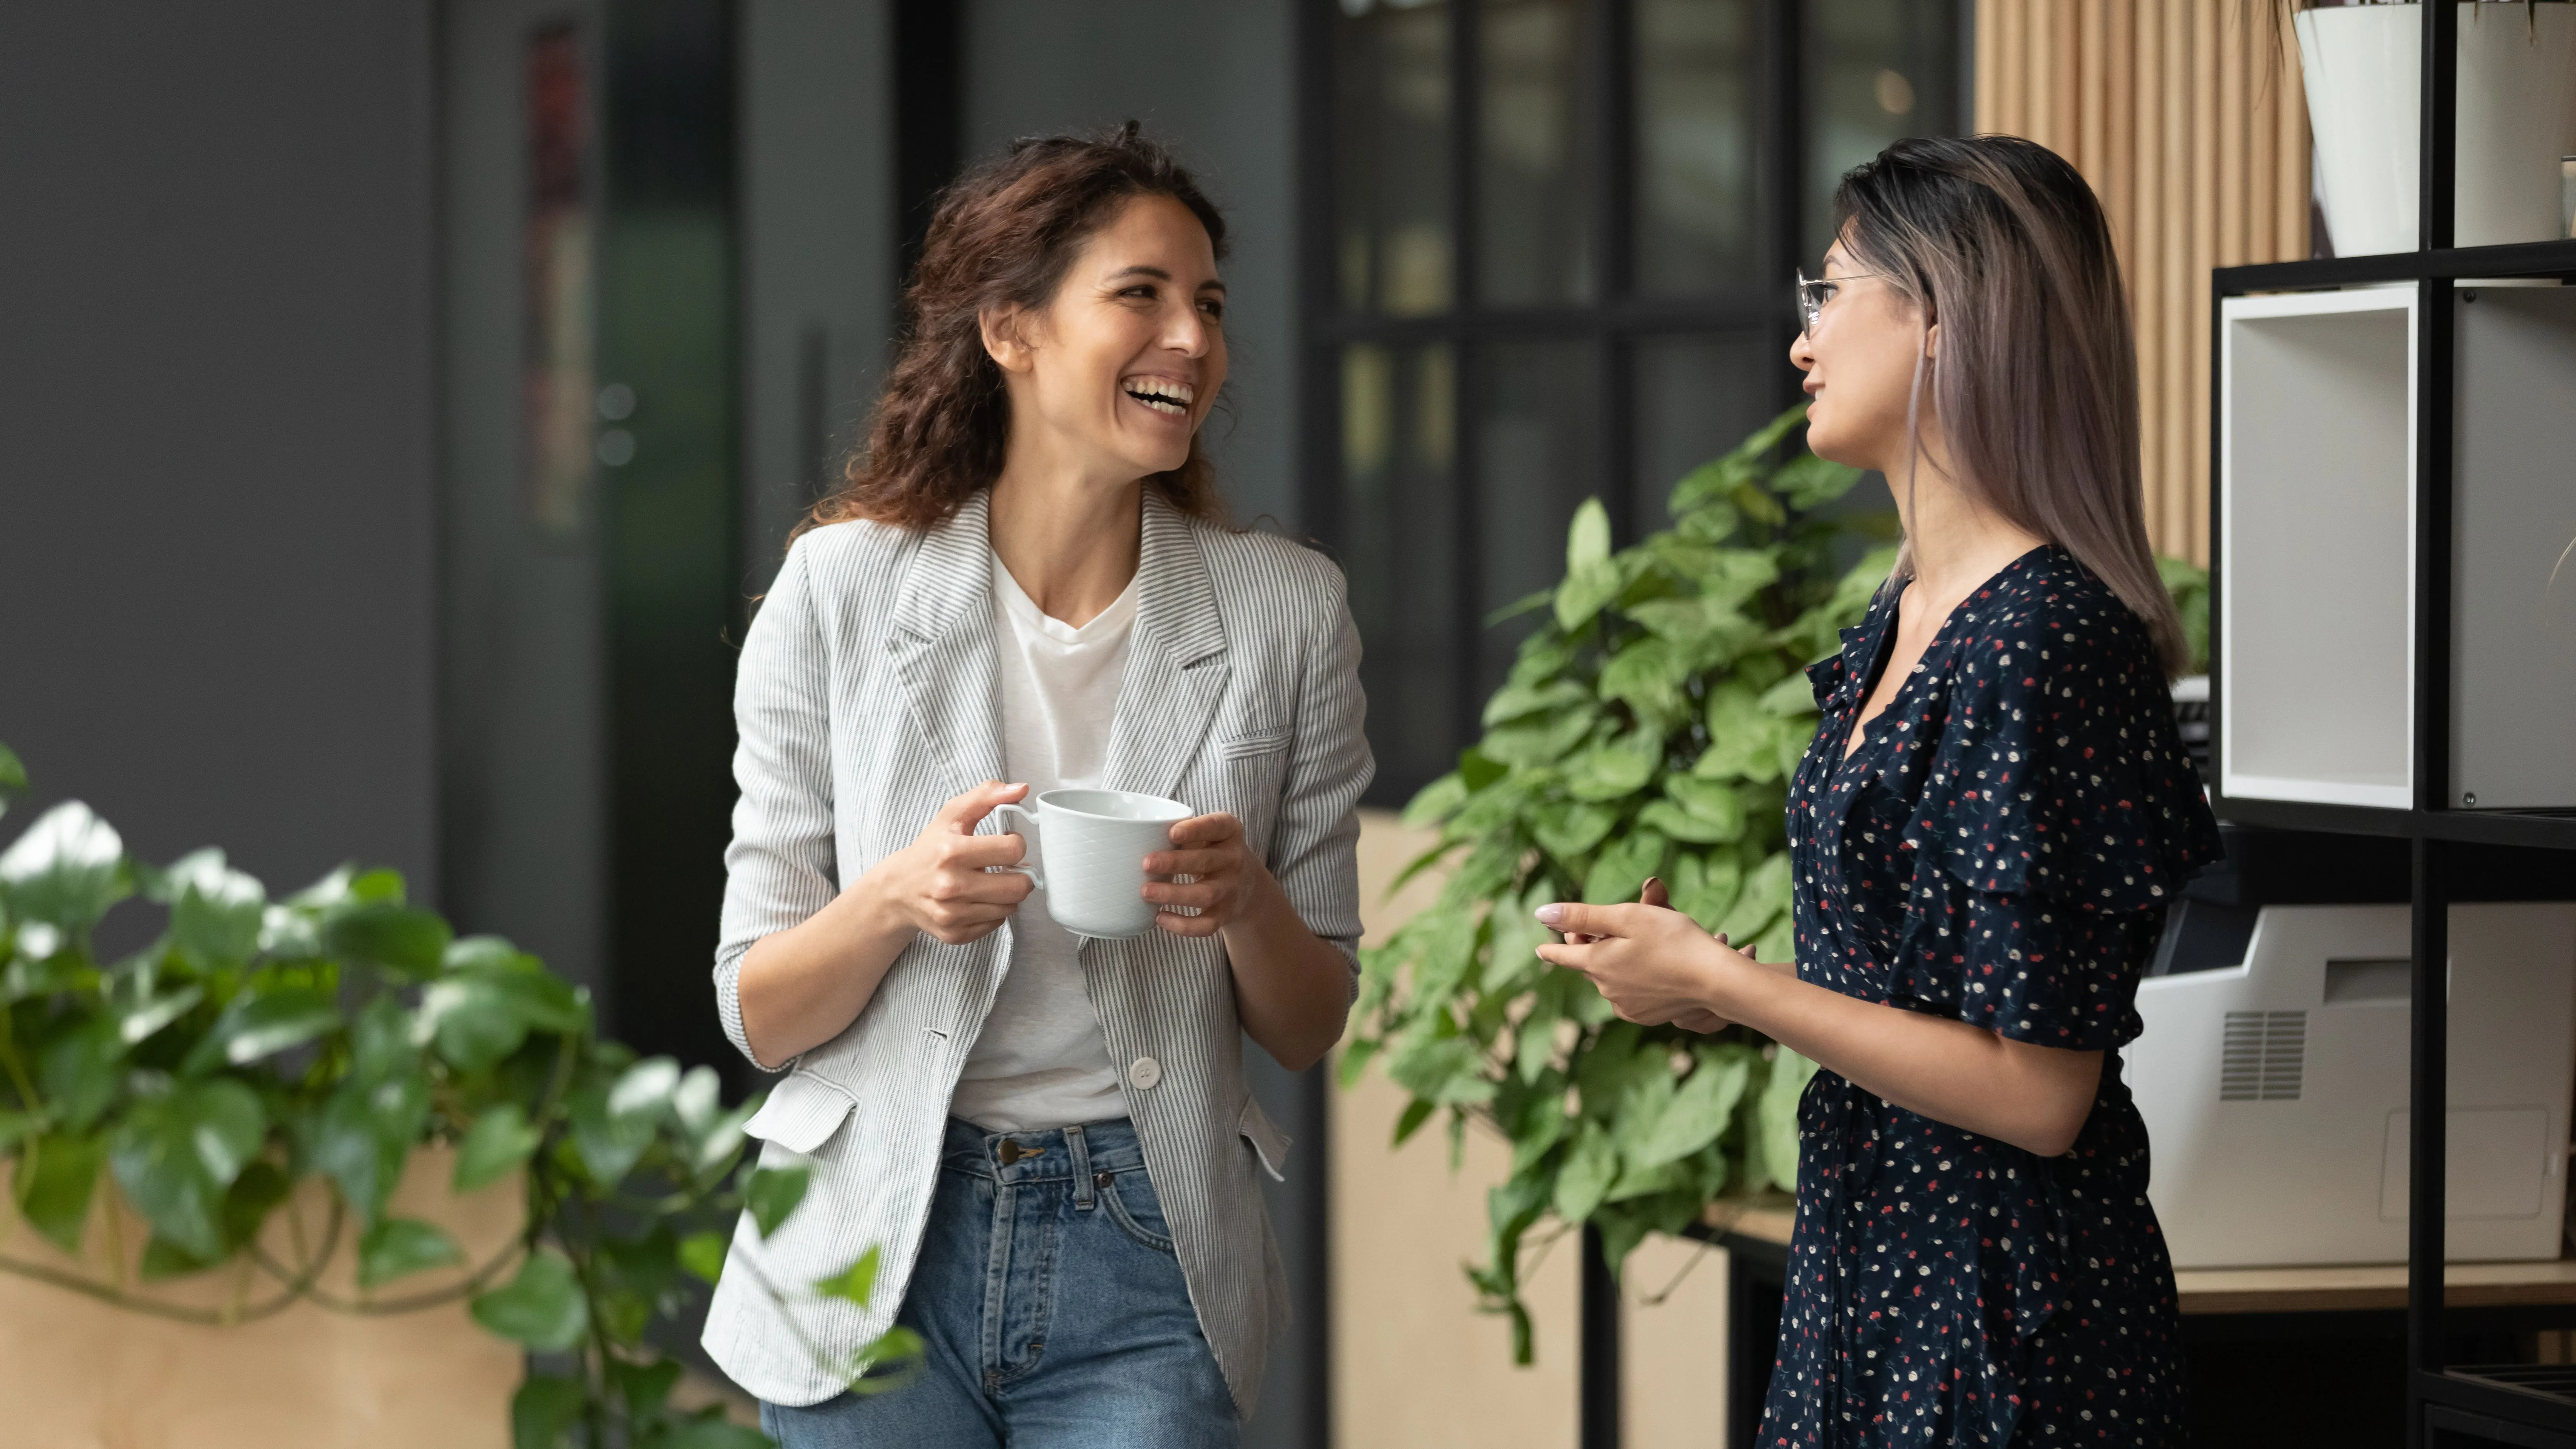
1114, 376
1859, 360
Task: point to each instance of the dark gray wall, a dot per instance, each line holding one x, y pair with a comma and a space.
525, 716
216, 424
818, 237
1217, 82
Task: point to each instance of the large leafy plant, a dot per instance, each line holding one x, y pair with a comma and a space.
1647, 729
257, 1055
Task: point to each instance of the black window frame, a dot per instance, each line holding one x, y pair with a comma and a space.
1616, 322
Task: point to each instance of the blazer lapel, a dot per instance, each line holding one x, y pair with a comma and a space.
942, 643
1176, 670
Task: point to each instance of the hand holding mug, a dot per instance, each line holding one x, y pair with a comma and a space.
940, 885
1210, 850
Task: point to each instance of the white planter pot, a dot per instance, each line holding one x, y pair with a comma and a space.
2517, 116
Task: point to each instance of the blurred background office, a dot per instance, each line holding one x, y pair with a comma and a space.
403, 403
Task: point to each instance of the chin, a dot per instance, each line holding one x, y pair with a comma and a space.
1822, 440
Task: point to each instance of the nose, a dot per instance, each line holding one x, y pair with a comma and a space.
1802, 352
1187, 332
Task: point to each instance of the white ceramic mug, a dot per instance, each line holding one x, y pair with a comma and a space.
1091, 849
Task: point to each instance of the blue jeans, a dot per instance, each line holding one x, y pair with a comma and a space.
1053, 1310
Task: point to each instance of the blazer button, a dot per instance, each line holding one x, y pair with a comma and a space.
1144, 1072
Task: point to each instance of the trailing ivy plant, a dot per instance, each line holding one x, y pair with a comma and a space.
255, 1046
1647, 728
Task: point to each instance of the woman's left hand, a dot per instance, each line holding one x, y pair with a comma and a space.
1653, 965
1223, 875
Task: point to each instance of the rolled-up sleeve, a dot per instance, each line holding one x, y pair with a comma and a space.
1315, 849
780, 867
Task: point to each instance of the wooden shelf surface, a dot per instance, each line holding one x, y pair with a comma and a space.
2345, 1288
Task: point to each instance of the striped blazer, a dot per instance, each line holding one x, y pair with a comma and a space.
866, 700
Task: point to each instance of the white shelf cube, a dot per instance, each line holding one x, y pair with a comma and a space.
2316, 546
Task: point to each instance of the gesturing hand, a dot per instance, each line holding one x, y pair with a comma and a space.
1210, 850
938, 885
1653, 965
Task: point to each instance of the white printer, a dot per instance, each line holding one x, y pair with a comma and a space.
2273, 1070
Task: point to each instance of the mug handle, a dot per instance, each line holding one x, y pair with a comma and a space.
1028, 824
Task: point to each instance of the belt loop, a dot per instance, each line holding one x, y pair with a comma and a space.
1080, 1151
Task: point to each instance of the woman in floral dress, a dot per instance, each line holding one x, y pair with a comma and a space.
1994, 814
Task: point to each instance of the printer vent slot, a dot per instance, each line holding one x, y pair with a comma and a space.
2265, 1056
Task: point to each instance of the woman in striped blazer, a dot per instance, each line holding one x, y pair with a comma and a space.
1024, 582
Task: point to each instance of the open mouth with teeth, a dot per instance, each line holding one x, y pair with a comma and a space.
1162, 394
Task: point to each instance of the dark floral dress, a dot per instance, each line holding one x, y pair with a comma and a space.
1998, 851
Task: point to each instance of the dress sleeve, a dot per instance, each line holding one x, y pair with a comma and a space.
2059, 818
2061, 772
781, 866
2038, 970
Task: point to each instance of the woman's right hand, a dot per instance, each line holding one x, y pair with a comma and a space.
939, 885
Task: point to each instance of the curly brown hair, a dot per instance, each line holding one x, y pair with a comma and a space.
1002, 236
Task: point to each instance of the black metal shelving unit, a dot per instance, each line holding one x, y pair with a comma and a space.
2447, 1404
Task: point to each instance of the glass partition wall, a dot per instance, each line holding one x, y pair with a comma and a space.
1550, 243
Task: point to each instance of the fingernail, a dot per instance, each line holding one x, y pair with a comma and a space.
1549, 915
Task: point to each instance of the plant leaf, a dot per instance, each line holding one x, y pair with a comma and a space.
56, 1176
1623, 867
175, 1155
544, 1411
1777, 1116
497, 1144
1587, 538
388, 934
1699, 1110
854, 1283
398, 1246
645, 1089
703, 1255
772, 1194
1585, 1179
1586, 589
610, 1143
78, 1071
261, 1023
66, 870
362, 1135
1611, 771
1435, 801
542, 1307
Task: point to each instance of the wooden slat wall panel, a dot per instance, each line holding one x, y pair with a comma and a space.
2189, 121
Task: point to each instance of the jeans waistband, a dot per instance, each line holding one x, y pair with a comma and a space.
1047, 1155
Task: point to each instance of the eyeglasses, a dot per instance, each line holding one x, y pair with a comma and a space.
1814, 293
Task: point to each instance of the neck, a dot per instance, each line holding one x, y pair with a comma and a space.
1069, 536
1956, 541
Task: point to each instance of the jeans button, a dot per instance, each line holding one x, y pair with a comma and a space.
1144, 1072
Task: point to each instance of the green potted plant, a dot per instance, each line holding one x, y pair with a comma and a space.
1647, 728
257, 1052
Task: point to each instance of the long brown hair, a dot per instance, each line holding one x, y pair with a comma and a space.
2000, 241
1002, 236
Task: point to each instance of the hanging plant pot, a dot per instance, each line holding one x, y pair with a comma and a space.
2517, 116
79, 1371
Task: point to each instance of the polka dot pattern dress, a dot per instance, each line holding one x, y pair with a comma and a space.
1999, 850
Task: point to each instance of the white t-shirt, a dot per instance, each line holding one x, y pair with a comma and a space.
1040, 1061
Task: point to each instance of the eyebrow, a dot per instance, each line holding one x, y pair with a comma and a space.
1158, 274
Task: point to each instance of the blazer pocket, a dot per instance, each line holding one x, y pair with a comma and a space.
1268, 1142
1249, 746
802, 1113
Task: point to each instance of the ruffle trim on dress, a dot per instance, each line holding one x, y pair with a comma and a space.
2060, 770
